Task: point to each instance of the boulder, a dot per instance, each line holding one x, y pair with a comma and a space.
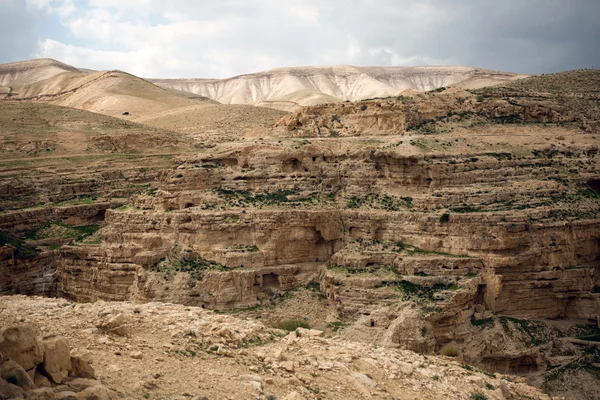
115, 324
95, 393
21, 345
15, 374
40, 394
57, 358
9, 390
66, 395
81, 365
40, 380
80, 384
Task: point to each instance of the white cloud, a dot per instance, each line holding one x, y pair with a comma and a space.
208, 38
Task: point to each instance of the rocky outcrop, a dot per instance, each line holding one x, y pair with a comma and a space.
33, 276
399, 115
34, 367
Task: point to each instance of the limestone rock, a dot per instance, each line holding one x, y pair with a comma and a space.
9, 390
66, 395
57, 358
81, 365
40, 394
15, 374
95, 393
40, 380
115, 324
80, 384
21, 345
293, 396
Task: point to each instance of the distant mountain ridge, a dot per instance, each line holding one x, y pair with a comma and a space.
289, 87
281, 88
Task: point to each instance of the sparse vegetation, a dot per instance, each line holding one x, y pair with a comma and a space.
380, 201
290, 325
450, 350
22, 249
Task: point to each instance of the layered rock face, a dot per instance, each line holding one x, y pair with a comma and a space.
430, 223
513, 252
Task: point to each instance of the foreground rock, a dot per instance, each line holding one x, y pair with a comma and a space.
190, 352
40, 368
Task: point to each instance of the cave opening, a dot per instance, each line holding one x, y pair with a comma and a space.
270, 281
594, 184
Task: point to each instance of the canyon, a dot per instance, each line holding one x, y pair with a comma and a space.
456, 223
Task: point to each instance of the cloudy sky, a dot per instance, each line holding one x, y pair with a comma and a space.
221, 38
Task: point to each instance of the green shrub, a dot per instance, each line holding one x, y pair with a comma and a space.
291, 325
444, 218
23, 250
479, 396
449, 350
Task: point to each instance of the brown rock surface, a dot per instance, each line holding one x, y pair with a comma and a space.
21, 344
57, 359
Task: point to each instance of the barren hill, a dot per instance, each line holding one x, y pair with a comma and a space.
106, 92
30, 71
286, 88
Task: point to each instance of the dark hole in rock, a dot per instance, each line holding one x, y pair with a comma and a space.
594, 184
270, 281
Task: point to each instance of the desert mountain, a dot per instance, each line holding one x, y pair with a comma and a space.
31, 71
115, 92
286, 88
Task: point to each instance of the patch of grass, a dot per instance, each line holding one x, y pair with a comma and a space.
77, 200
533, 329
338, 325
56, 229
449, 350
196, 267
419, 293
240, 248
314, 287
482, 322
22, 249
243, 198
479, 396
378, 268
290, 325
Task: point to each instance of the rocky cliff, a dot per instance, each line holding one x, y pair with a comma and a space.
456, 222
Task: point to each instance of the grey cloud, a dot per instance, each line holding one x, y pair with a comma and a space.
18, 30
531, 36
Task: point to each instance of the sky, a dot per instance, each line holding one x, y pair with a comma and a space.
223, 38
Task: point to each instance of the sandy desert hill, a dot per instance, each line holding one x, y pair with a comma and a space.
115, 92
31, 71
287, 88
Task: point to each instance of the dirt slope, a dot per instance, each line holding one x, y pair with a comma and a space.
31, 71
